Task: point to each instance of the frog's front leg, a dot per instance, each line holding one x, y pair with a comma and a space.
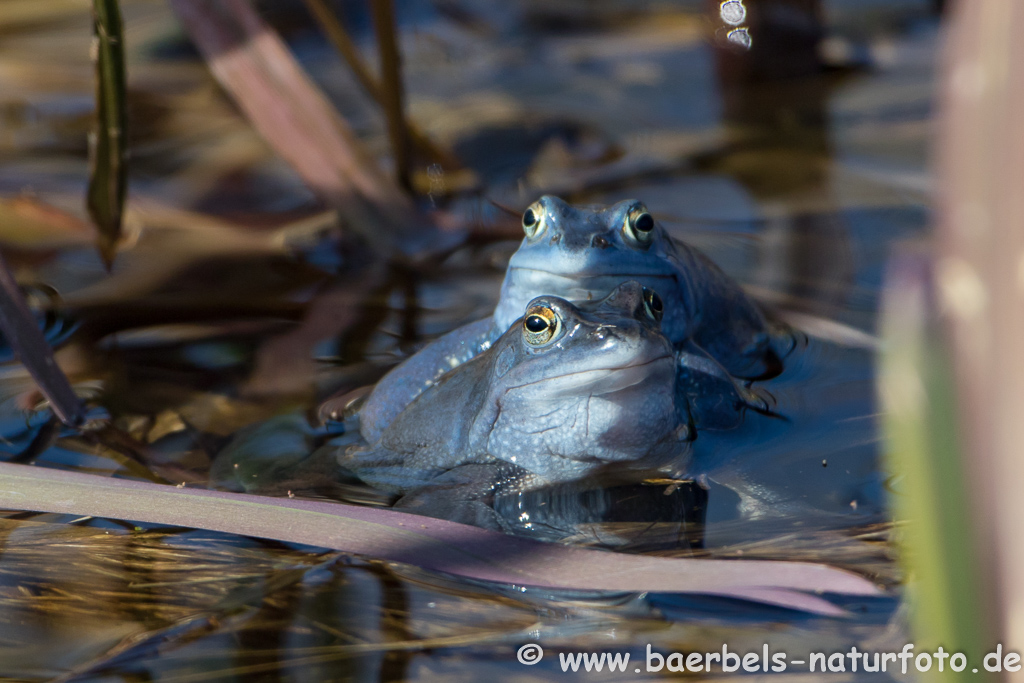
716, 399
463, 494
404, 383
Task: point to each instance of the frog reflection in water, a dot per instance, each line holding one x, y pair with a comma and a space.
562, 395
581, 254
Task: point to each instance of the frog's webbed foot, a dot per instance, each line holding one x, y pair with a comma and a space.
488, 495
758, 399
783, 340
383, 469
611, 508
463, 494
716, 399
283, 454
763, 357
430, 503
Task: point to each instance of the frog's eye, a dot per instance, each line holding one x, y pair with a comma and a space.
540, 325
533, 221
639, 225
652, 304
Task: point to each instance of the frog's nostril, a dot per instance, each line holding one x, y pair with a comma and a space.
599, 242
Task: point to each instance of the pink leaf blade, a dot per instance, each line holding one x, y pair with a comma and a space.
429, 543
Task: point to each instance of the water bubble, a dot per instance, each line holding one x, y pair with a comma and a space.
437, 182
740, 37
733, 12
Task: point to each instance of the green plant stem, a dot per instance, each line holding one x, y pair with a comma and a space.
108, 173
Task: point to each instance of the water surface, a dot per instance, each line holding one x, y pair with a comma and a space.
197, 333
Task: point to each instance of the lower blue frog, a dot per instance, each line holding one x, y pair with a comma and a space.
566, 393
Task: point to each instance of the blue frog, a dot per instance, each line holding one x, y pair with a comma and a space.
720, 336
566, 393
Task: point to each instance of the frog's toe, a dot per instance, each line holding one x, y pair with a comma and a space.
757, 345
757, 399
440, 504
786, 339
343, 405
762, 357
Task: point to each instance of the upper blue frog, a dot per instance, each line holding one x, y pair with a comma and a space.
581, 254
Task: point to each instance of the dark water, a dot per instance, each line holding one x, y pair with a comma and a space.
796, 179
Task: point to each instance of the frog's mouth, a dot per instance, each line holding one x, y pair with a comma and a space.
579, 278
606, 380
523, 284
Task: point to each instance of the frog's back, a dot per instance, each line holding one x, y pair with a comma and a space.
724, 320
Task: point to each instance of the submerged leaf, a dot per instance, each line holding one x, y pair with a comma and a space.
429, 543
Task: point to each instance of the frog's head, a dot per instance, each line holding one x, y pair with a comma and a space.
572, 388
583, 253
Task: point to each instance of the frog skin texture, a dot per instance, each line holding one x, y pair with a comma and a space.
566, 393
581, 254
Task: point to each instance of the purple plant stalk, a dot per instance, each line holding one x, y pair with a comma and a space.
433, 544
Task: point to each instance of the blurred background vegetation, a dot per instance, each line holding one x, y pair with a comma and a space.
314, 188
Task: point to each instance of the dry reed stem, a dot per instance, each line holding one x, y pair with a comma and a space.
252, 63
392, 91
343, 43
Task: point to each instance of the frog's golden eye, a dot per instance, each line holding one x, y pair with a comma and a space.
639, 225
652, 305
540, 325
533, 220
